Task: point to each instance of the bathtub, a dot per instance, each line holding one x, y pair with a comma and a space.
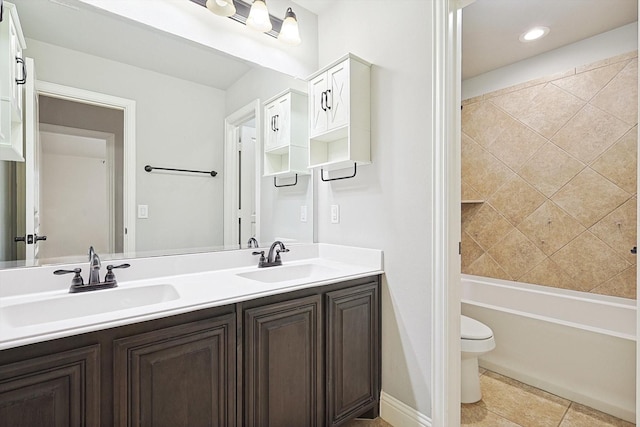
576, 345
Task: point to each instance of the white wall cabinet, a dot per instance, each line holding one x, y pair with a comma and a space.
12, 77
339, 120
286, 134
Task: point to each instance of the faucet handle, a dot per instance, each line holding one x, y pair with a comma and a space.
262, 260
110, 277
77, 278
278, 253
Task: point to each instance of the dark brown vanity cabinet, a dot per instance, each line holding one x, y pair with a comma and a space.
305, 358
283, 364
178, 376
353, 352
312, 359
58, 390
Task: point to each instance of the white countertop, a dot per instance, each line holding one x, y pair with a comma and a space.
27, 317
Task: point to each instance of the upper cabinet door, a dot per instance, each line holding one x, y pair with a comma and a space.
283, 120
12, 77
318, 118
278, 128
337, 96
271, 134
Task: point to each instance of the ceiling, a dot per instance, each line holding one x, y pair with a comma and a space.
80, 27
491, 28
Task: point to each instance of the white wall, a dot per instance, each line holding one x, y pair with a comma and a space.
386, 205
73, 221
611, 43
178, 124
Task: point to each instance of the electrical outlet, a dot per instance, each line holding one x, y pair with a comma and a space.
303, 214
335, 214
143, 211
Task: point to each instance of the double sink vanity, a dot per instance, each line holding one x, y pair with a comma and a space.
196, 340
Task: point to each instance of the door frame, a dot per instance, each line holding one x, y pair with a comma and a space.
128, 107
232, 125
445, 203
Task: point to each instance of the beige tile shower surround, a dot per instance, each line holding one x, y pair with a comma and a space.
554, 161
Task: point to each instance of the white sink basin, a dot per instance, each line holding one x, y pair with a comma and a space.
85, 304
289, 272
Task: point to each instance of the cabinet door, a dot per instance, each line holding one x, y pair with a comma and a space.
353, 352
317, 107
59, 390
17, 70
283, 121
178, 376
270, 129
337, 97
283, 364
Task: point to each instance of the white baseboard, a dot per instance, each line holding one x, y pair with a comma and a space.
399, 414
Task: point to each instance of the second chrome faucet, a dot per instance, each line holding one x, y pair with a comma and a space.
271, 260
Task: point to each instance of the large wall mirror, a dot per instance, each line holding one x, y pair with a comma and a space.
115, 96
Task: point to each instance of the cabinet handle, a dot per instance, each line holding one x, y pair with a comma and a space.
277, 118
322, 100
272, 125
327, 101
23, 80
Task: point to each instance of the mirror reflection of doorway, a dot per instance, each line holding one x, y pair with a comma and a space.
82, 169
247, 181
77, 171
242, 176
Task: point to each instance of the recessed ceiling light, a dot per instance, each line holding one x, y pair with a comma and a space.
534, 34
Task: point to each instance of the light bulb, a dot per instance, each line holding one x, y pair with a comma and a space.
221, 7
289, 33
259, 17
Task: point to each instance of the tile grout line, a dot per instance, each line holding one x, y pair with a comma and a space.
565, 413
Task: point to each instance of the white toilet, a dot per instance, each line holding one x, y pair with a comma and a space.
476, 339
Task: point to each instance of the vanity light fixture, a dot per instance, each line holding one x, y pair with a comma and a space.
289, 32
221, 7
534, 33
256, 16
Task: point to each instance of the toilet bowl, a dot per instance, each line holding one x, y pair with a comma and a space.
476, 339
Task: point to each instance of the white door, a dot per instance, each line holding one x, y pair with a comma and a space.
317, 107
33, 233
337, 97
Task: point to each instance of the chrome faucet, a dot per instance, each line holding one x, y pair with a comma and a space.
94, 267
252, 243
271, 260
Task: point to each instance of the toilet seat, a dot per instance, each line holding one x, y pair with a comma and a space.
475, 337
471, 329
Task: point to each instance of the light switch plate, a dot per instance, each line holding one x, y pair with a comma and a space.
143, 211
335, 214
